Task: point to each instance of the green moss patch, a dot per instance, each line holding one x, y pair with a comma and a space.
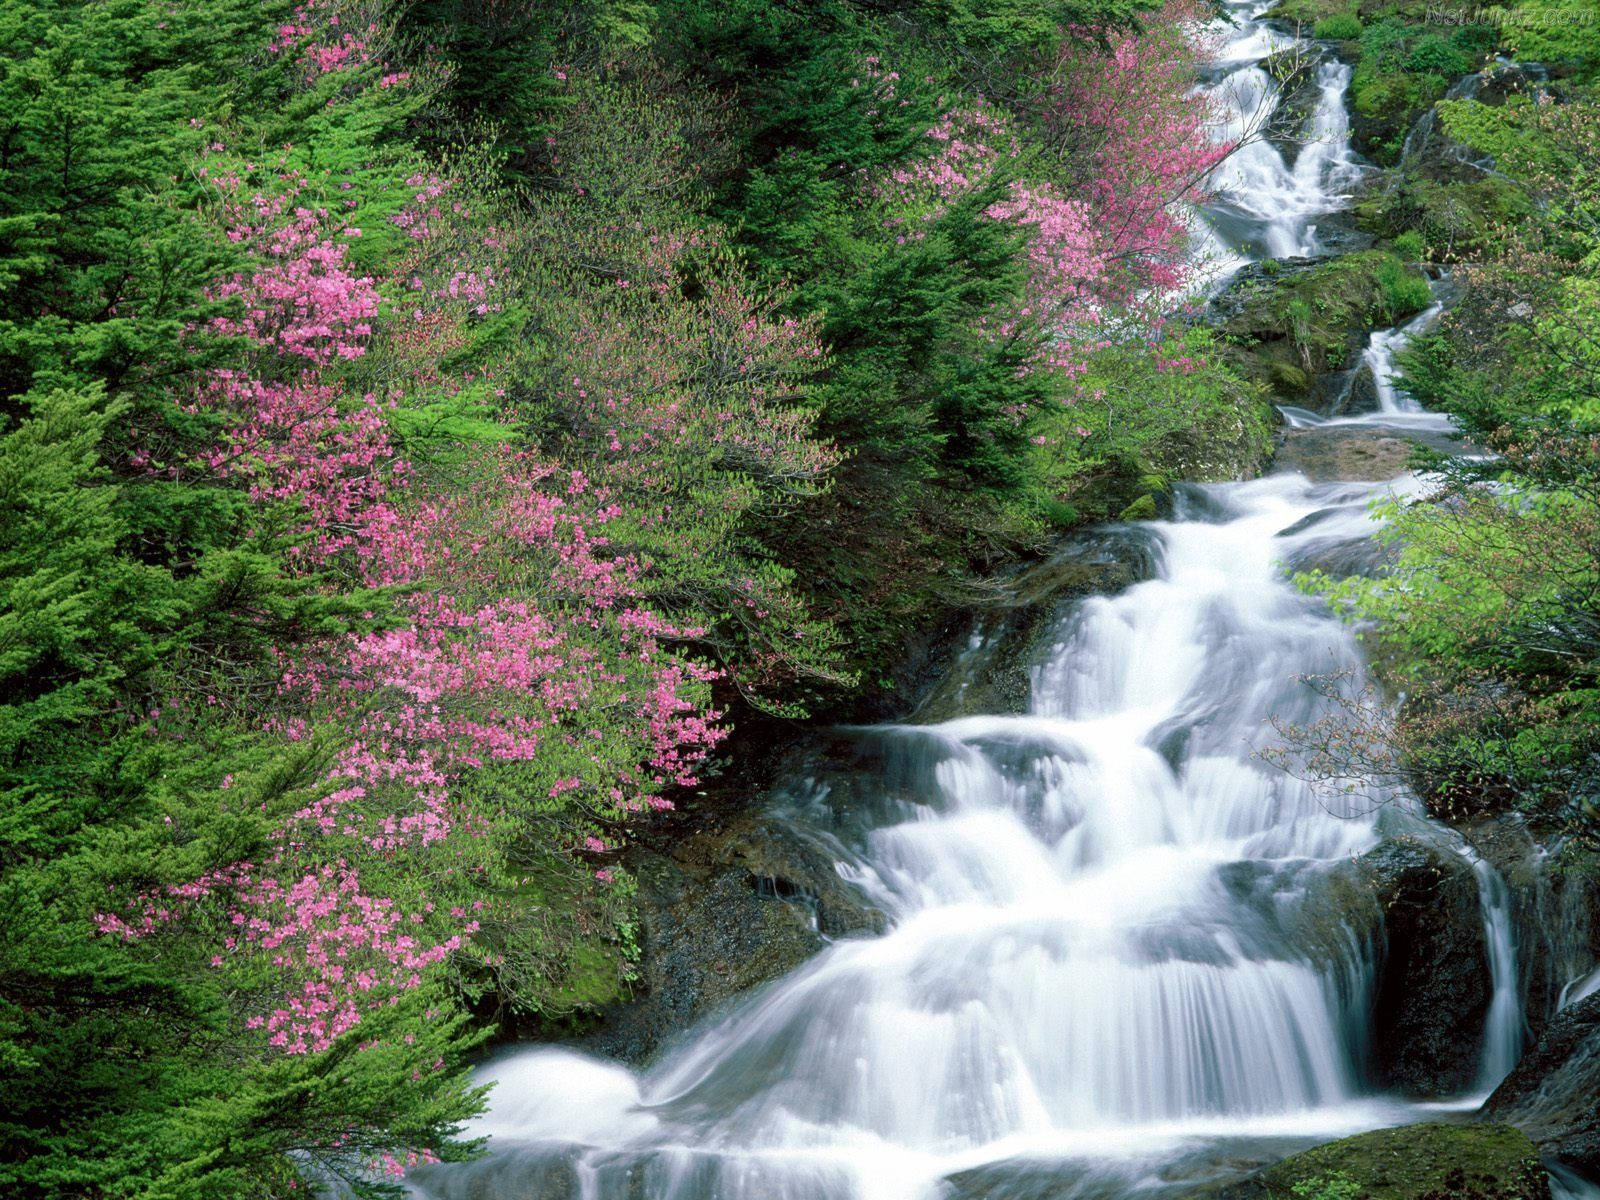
1415, 1162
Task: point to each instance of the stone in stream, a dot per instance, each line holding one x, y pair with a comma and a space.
1553, 1094
729, 908
1325, 453
1433, 983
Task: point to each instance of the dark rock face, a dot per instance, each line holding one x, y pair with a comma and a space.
1340, 558
992, 671
1554, 1092
1362, 395
1433, 986
1414, 1162
730, 908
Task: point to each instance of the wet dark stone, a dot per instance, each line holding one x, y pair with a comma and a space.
726, 910
1361, 396
1433, 981
990, 669
1296, 75
1553, 1094
1340, 558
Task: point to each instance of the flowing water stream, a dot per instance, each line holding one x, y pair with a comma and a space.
1108, 966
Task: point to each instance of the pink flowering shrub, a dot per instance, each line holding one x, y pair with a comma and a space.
519, 635
1127, 142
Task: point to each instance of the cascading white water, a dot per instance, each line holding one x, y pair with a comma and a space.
1264, 204
1097, 954
1106, 951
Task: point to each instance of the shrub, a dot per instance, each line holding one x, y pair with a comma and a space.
1410, 246
1341, 27
1434, 55
1404, 291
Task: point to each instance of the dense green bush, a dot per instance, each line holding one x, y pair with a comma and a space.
1434, 55
1341, 27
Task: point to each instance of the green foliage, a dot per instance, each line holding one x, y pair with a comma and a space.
1489, 619
1434, 55
1341, 27
1404, 290
1336, 1186
1142, 424
1403, 69
1410, 245
1545, 31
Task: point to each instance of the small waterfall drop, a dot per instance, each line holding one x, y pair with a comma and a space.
1379, 357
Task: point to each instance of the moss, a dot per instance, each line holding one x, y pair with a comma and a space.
1385, 104
1142, 509
1288, 379
1307, 12
1341, 27
1456, 220
1418, 1162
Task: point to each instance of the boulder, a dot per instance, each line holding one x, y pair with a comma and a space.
1433, 986
1326, 453
727, 909
1553, 1094
1413, 1162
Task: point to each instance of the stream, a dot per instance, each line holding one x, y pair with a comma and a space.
1105, 972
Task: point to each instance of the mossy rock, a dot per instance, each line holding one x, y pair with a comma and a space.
1288, 379
1289, 329
1142, 509
1413, 1162
1458, 219
1306, 12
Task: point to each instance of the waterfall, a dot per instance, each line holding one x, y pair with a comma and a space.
1262, 204
1098, 950
1380, 354
1109, 949
1505, 1026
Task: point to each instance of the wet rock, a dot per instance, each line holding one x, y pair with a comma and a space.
1341, 558
727, 909
1553, 1094
1413, 1162
1433, 987
1361, 396
1339, 233
992, 672
1325, 453
1554, 894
